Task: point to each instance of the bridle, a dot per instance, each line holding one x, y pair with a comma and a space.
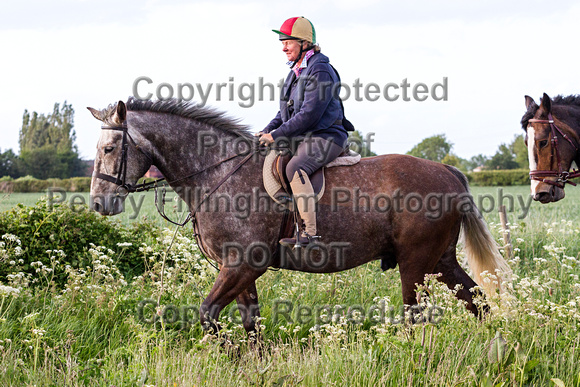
563, 176
120, 180
125, 188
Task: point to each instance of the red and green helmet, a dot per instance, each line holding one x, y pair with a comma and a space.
298, 28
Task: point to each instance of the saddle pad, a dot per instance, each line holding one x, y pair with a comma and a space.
349, 159
270, 183
274, 188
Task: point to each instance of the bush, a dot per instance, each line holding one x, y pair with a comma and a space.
32, 184
79, 184
6, 184
59, 227
499, 177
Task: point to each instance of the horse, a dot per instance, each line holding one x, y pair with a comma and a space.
400, 209
552, 137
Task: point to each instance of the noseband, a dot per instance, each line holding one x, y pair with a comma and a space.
561, 175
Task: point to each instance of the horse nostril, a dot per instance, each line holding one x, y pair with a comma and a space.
542, 197
98, 207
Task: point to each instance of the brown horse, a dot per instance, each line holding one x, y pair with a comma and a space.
553, 138
400, 209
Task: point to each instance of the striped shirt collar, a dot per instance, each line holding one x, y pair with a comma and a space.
298, 69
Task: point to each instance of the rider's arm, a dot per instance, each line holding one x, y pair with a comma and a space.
317, 97
274, 124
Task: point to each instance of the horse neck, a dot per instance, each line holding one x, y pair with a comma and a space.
570, 115
182, 146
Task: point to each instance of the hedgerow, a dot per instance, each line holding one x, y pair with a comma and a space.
49, 230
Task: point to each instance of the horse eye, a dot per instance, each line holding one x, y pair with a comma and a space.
543, 143
109, 149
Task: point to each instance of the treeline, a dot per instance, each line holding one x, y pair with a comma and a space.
32, 184
508, 156
83, 184
47, 147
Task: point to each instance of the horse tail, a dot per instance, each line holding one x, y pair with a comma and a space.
480, 248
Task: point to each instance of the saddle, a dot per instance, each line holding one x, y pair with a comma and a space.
277, 184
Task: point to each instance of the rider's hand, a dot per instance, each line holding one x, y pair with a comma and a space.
266, 139
258, 134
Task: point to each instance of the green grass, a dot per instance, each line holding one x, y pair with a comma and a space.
138, 205
93, 334
487, 198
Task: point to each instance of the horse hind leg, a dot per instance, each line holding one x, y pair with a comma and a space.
250, 312
452, 274
414, 263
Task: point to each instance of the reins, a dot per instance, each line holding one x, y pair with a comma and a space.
563, 176
247, 157
124, 188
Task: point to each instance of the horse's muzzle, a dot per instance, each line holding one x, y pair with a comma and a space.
107, 204
549, 195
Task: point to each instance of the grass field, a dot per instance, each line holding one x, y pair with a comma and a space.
137, 206
102, 330
487, 198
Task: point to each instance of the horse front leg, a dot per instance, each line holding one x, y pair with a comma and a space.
232, 283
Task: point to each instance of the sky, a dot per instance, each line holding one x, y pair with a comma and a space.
490, 54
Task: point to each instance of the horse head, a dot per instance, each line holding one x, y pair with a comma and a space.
119, 162
550, 148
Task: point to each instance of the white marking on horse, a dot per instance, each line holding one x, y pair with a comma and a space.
107, 138
531, 156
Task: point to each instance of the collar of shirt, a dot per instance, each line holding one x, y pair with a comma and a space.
298, 69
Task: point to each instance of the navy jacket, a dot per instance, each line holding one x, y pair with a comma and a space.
310, 104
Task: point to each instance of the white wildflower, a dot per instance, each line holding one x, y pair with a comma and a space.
124, 244
38, 332
9, 291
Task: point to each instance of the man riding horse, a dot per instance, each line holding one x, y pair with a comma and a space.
310, 108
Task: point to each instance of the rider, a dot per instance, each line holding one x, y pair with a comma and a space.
309, 108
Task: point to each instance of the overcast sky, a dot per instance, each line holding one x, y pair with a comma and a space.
491, 52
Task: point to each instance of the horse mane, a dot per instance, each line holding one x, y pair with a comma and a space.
560, 100
203, 114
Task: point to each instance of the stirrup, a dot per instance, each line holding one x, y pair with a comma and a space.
303, 240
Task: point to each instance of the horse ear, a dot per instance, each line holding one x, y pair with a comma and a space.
546, 104
122, 110
530, 103
96, 113
120, 113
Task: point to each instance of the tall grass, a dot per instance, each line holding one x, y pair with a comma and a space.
98, 330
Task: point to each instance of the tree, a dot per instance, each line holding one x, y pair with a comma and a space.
512, 156
503, 159
361, 144
452, 160
479, 160
433, 148
47, 146
9, 164
520, 150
